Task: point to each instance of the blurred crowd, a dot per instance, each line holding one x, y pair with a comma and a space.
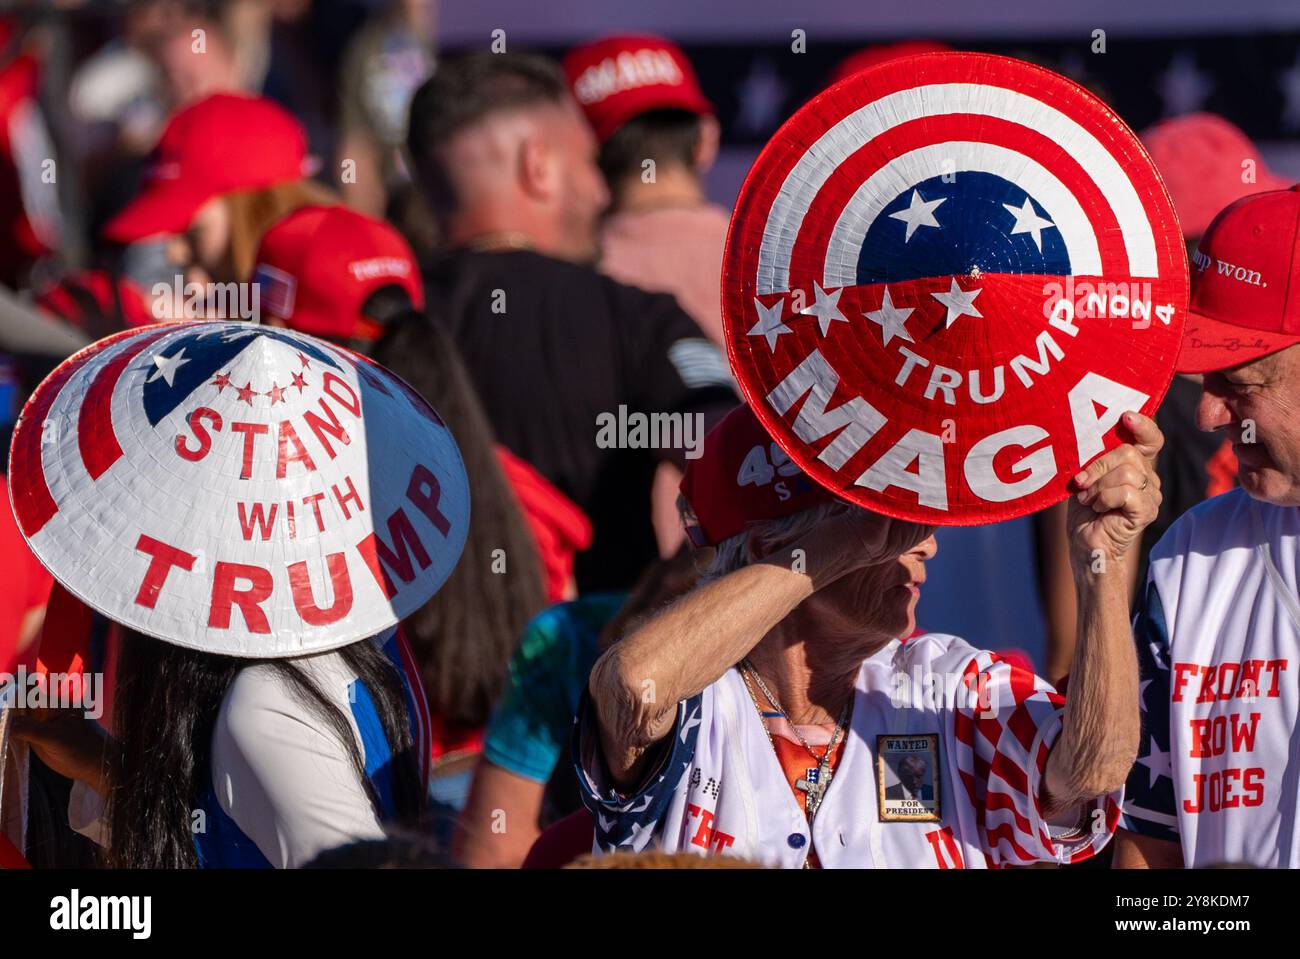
538, 249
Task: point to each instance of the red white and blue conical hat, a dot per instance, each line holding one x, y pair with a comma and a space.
238, 489
947, 278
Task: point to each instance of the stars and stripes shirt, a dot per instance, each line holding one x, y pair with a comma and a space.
719, 787
1217, 637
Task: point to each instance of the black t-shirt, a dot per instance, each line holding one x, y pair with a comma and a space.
551, 346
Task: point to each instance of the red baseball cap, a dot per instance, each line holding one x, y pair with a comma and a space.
1200, 157
1245, 284
221, 144
618, 78
317, 267
743, 477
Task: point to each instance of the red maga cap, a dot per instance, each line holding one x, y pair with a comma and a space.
947, 278
618, 78
221, 144
317, 266
1245, 284
743, 477
1201, 158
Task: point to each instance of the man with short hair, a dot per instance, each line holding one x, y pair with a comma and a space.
658, 138
1218, 631
554, 348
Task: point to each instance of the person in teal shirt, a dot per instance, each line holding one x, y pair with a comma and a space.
529, 730
516, 789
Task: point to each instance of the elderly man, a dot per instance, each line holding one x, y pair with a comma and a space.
1216, 776
755, 716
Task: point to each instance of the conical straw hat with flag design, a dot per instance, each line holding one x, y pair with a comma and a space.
947, 278
238, 489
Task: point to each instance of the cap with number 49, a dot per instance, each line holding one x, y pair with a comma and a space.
743, 477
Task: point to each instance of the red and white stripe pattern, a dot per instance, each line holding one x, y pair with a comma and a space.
1002, 758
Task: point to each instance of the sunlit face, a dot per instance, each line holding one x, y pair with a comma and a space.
1257, 406
880, 599
202, 253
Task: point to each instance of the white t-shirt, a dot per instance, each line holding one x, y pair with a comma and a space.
1216, 635
283, 787
983, 727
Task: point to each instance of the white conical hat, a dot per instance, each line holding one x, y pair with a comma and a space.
238, 489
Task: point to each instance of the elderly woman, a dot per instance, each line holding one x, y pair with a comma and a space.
772, 713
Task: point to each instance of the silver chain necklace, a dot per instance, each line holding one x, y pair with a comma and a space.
814, 789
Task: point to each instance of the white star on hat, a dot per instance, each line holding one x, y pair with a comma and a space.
1027, 221
826, 309
958, 301
769, 322
167, 366
890, 319
920, 212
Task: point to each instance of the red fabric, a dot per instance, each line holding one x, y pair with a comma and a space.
560, 529
562, 842
1245, 295
1018, 659
1221, 470
317, 266
21, 239
446, 742
10, 857
61, 301
742, 476
19, 79
224, 143
618, 78
26, 586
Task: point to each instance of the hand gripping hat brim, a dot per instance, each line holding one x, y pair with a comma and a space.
237, 489
947, 278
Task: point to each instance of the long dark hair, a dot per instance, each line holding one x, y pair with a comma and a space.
165, 710
464, 636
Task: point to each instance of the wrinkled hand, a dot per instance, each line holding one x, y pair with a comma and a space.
853, 538
1117, 497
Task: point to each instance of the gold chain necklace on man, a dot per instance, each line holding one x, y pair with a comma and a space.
814, 789
499, 241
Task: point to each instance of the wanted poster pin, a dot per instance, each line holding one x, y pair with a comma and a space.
906, 776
